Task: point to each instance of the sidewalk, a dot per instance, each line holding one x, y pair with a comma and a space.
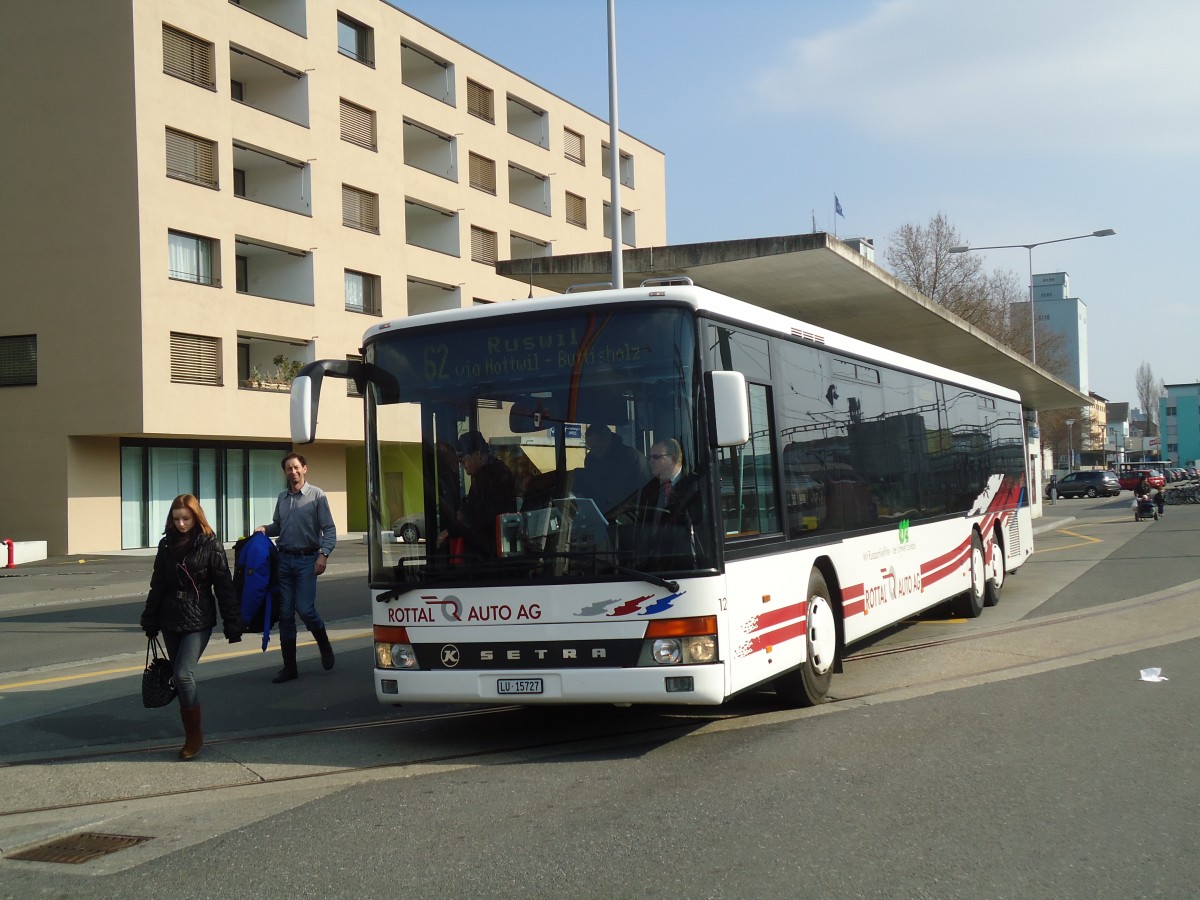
122, 574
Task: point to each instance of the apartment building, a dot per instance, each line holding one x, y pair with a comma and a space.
202, 195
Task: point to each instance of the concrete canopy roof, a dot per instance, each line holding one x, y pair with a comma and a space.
820, 280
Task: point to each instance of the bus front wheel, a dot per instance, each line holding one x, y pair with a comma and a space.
808, 684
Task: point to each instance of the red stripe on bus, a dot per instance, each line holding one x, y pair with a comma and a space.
777, 637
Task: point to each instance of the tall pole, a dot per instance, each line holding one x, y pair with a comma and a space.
614, 166
1032, 317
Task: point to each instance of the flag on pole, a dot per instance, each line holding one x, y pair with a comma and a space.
837, 206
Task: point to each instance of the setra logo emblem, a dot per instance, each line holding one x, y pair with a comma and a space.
450, 656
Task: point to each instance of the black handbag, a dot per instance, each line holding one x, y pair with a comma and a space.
158, 684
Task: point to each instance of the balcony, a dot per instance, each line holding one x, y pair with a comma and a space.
268, 86
267, 363
273, 180
274, 272
423, 71
430, 296
430, 151
287, 14
431, 228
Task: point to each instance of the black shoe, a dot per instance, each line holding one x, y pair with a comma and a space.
289, 671
326, 649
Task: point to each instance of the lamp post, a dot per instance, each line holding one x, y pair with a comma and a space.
1070, 446
1103, 232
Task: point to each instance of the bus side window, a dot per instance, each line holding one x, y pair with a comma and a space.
749, 504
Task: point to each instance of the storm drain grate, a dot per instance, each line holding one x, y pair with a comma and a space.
79, 848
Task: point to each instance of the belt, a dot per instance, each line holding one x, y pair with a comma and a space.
305, 551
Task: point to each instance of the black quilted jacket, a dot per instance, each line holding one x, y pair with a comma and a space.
181, 595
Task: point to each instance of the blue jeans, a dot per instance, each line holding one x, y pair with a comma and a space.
184, 649
297, 594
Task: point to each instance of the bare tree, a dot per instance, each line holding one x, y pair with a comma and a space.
1148, 389
919, 255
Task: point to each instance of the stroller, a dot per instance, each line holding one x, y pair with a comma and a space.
1143, 508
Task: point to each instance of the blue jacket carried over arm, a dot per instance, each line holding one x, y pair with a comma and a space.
254, 578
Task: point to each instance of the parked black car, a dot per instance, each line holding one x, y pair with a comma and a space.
1087, 484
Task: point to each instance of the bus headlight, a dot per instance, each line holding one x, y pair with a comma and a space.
675, 642
701, 649
395, 656
667, 651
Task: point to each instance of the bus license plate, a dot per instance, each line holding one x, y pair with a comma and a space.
519, 686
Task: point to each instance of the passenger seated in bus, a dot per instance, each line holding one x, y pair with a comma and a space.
492, 492
612, 471
671, 509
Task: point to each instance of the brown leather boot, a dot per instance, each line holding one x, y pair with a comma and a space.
191, 728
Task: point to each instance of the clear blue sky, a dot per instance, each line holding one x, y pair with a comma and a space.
1021, 121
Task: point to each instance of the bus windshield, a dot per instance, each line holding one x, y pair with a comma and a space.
529, 448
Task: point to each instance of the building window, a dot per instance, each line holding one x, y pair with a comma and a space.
191, 158
360, 209
195, 359
188, 57
483, 173
481, 101
483, 246
358, 125
193, 258
239, 183
356, 40
362, 293
573, 145
242, 266
576, 210
18, 359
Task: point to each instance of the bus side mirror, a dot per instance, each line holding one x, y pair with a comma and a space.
306, 392
728, 408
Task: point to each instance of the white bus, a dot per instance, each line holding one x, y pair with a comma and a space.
827, 489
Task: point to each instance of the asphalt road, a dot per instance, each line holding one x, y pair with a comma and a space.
1016, 755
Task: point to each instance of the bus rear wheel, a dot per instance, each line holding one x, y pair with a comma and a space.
808, 684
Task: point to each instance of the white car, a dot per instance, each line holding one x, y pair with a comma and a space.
409, 529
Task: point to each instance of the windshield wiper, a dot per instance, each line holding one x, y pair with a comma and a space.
672, 586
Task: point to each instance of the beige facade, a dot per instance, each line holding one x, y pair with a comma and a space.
197, 188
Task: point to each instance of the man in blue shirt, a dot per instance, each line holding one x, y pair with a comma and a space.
307, 535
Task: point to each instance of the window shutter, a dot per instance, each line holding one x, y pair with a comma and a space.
195, 359
576, 210
573, 145
480, 101
191, 158
483, 245
483, 173
358, 125
188, 57
18, 359
360, 209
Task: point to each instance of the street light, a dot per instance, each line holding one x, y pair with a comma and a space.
1070, 447
1103, 232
